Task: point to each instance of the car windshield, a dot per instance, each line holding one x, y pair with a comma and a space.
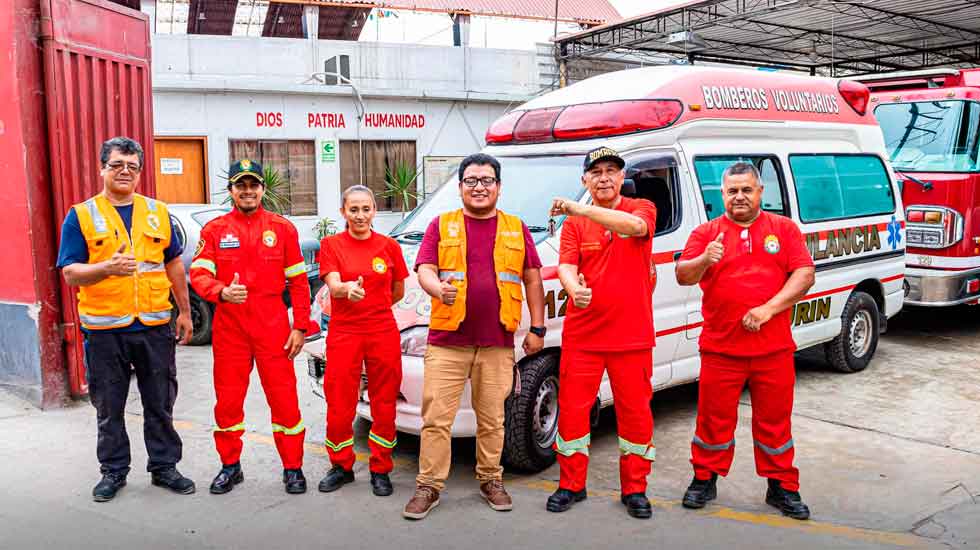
205, 216
931, 136
529, 185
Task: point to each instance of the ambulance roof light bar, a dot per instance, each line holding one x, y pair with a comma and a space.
855, 94
584, 121
903, 75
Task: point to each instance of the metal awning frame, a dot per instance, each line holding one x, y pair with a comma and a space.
722, 26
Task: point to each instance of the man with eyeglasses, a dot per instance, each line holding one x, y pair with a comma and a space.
605, 266
752, 266
118, 249
244, 261
473, 261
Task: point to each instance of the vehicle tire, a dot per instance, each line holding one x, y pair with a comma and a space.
201, 314
853, 348
531, 420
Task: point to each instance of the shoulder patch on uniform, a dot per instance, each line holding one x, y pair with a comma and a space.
200, 246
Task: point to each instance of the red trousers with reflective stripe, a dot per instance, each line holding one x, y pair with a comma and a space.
580, 374
381, 354
770, 379
238, 342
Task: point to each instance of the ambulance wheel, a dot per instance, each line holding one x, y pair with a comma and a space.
853, 348
201, 315
532, 417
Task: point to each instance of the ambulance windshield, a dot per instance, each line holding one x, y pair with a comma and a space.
932, 136
529, 185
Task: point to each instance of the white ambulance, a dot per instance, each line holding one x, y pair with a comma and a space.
823, 163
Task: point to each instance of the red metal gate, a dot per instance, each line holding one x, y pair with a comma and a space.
97, 86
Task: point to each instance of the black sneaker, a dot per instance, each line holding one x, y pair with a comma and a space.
106, 489
170, 478
700, 491
563, 499
637, 505
788, 502
336, 478
295, 481
227, 478
381, 485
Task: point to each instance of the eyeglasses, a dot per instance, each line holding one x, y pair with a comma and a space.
746, 241
250, 186
118, 166
487, 181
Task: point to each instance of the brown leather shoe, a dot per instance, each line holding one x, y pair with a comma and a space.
425, 499
495, 495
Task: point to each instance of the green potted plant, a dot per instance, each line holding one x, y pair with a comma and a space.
400, 184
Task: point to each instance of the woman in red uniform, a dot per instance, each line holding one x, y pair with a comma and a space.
365, 272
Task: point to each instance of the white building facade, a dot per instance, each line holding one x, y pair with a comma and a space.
408, 108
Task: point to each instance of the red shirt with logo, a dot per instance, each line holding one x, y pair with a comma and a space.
758, 261
620, 272
379, 260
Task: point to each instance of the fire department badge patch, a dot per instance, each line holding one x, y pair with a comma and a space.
772, 244
379, 265
153, 221
269, 238
245, 164
200, 247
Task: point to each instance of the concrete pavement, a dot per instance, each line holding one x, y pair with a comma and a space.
889, 459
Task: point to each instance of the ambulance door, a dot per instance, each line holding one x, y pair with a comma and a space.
653, 175
707, 167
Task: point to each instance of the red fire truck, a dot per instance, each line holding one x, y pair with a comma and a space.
931, 124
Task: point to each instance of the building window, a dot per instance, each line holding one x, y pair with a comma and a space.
830, 187
378, 159
294, 160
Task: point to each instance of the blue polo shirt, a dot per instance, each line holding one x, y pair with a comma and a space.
73, 249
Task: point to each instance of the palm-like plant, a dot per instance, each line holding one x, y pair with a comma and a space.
325, 227
400, 184
276, 198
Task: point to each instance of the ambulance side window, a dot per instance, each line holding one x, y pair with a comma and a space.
847, 185
709, 171
653, 176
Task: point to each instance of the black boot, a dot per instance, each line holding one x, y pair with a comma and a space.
563, 499
700, 491
106, 489
227, 478
336, 478
295, 481
637, 505
171, 479
381, 485
788, 502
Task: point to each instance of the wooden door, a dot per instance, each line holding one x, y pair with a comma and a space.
180, 169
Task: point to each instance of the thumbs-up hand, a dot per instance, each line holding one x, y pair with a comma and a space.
715, 250
235, 292
121, 264
448, 291
355, 289
582, 294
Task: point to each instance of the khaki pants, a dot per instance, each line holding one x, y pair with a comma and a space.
491, 374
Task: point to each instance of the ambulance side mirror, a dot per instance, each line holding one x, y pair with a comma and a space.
629, 188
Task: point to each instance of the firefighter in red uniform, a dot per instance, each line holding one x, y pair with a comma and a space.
366, 273
752, 266
605, 266
243, 263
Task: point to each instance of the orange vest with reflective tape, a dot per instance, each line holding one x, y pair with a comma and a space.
508, 264
117, 301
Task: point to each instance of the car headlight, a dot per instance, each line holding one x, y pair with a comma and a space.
414, 341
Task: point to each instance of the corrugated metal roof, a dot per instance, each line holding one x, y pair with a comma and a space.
579, 11
820, 35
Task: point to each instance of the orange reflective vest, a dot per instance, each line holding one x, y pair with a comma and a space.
117, 301
508, 261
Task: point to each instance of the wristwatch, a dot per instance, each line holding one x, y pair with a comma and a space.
538, 331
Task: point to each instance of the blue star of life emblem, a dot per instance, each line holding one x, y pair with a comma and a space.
894, 233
